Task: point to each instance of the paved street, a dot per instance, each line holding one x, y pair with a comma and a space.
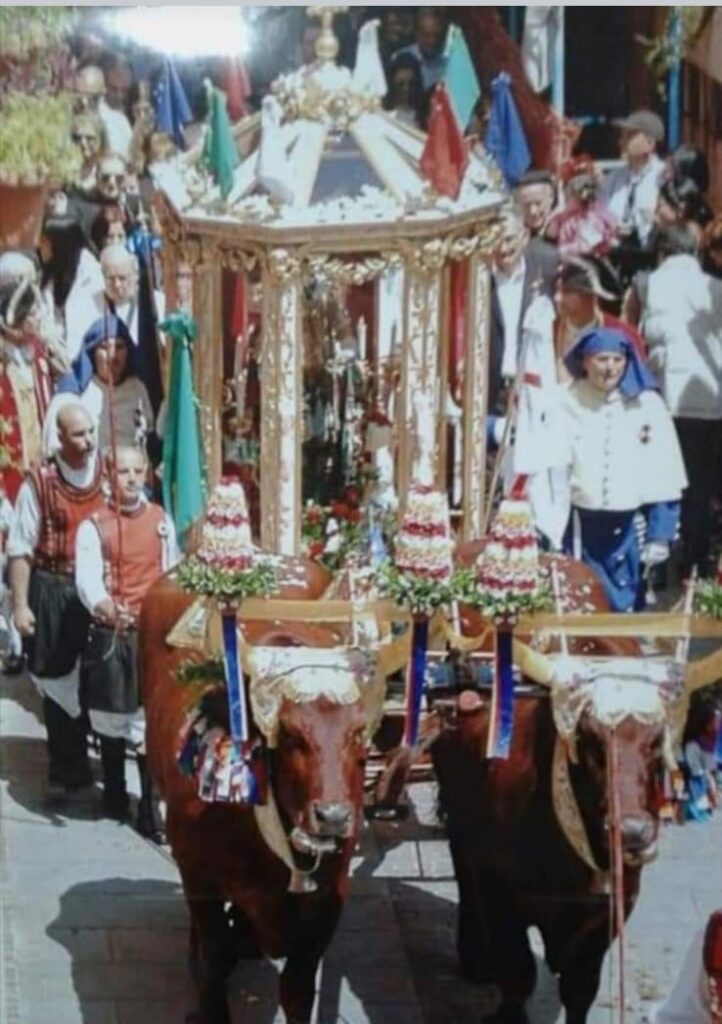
93, 928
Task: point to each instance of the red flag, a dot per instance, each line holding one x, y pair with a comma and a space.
446, 154
237, 89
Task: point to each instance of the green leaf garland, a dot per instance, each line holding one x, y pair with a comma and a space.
499, 609
228, 585
708, 598
419, 594
195, 673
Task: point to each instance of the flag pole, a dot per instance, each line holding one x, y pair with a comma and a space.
114, 449
558, 64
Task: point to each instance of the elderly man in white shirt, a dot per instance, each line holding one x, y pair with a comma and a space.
520, 275
631, 192
119, 295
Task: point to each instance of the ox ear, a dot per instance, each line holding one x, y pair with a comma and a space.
703, 672
533, 664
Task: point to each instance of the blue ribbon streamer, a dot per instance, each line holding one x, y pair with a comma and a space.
243, 784
234, 682
501, 719
415, 673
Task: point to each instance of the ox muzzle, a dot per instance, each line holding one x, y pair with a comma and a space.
639, 839
329, 824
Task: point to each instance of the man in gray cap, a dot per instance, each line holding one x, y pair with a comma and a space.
631, 192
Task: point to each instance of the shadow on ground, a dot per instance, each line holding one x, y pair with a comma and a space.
24, 766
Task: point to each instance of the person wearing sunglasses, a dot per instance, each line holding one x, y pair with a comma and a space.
88, 134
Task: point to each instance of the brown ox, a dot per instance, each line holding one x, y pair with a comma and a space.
514, 865
317, 777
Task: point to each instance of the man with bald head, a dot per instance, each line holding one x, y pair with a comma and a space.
53, 500
90, 89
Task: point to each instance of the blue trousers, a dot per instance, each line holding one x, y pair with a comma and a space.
611, 549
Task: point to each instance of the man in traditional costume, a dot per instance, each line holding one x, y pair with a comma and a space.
26, 367
121, 550
624, 458
52, 502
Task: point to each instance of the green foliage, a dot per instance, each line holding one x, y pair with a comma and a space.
708, 598
228, 585
664, 52
499, 609
419, 594
194, 673
35, 142
28, 31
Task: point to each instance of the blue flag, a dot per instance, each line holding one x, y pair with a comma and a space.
460, 79
170, 104
505, 139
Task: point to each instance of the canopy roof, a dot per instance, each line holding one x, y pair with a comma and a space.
336, 159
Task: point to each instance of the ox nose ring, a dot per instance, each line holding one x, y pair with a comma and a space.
333, 818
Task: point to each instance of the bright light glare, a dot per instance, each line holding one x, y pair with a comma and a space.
184, 31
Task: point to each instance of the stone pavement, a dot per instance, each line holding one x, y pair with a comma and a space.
93, 927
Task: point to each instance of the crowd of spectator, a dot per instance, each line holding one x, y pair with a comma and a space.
638, 251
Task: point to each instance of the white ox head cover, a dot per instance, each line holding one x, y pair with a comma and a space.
302, 675
650, 690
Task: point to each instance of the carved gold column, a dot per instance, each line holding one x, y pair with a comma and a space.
281, 404
476, 363
420, 352
208, 351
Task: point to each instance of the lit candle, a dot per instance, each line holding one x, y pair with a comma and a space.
362, 335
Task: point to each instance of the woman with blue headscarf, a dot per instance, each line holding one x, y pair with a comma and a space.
624, 459
105, 364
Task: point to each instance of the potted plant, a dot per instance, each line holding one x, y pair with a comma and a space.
33, 47
36, 150
35, 144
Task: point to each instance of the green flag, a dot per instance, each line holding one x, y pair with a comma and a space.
183, 486
220, 155
460, 79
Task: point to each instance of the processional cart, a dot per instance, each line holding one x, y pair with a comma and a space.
322, 281
323, 272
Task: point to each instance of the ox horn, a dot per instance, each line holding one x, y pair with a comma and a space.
532, 663
703, 671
